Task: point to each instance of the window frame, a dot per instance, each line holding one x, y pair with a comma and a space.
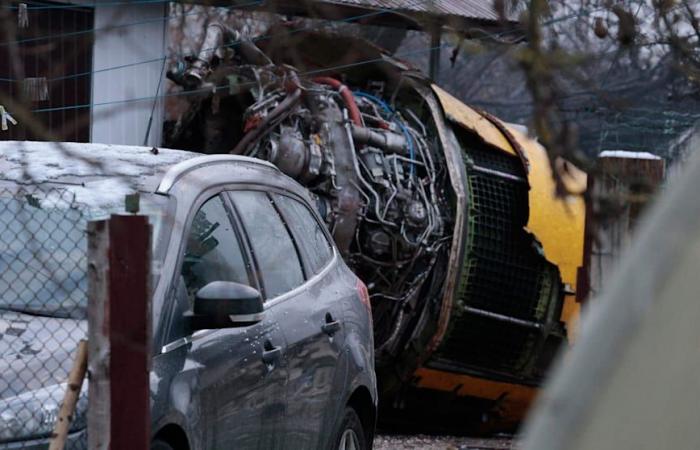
319, 223
266, 191
178, 244
176, 269
245, 253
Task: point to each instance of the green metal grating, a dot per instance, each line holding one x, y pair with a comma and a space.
505, 278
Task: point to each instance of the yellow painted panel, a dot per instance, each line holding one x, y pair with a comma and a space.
558, 223
515, 404
472, 120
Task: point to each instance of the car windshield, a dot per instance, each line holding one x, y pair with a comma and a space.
43, 248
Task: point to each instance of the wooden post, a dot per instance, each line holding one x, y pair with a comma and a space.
70, 399
98, 340
623, 185
119, 330
129, 332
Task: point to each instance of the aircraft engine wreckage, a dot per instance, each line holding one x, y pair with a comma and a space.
446, 213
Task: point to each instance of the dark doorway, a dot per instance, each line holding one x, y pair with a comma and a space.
51, 70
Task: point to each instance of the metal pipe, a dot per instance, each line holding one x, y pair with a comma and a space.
213, 40
363, 181
383, 139
502, 318
264, 126
347, 97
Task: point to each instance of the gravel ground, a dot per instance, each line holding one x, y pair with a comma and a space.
426, 442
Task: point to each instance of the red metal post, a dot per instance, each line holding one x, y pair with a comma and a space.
129, 332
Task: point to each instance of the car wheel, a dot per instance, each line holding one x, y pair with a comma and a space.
351, 435
160, 445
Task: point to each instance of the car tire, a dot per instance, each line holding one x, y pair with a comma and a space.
157, 444
351, 433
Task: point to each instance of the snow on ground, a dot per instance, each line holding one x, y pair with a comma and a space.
427, 442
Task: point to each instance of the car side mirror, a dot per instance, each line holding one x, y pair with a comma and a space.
225, 304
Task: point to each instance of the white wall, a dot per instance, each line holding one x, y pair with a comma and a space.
115, 121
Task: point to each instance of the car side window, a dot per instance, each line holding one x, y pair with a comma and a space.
307, 231
272, 246
213, 251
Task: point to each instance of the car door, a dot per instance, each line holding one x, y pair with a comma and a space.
275, 257
311, 321
239, 381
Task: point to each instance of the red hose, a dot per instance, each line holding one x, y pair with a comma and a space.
349, 100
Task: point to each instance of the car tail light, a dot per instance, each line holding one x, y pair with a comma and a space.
364, 295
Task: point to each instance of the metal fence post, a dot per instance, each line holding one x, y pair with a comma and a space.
120, 333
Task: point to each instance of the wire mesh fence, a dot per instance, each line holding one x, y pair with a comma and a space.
43, 301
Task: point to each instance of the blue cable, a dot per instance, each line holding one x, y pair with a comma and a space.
392, 115
375, 99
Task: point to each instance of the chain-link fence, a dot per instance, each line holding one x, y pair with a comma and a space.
43, 302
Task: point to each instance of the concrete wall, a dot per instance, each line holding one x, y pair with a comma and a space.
124, 98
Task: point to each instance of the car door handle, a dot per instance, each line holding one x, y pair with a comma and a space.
271, 354
331, 326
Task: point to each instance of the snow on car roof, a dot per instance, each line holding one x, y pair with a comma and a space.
98, 174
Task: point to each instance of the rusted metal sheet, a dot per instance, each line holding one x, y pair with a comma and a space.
457, 180
473, 121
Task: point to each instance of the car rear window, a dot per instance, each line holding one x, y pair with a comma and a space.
315, 247
272, 245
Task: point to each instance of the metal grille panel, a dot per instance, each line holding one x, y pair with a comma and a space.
506, 286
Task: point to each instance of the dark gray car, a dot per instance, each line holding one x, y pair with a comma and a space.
297, 375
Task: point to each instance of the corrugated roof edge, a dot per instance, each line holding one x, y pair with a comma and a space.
180, 169
470, 9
